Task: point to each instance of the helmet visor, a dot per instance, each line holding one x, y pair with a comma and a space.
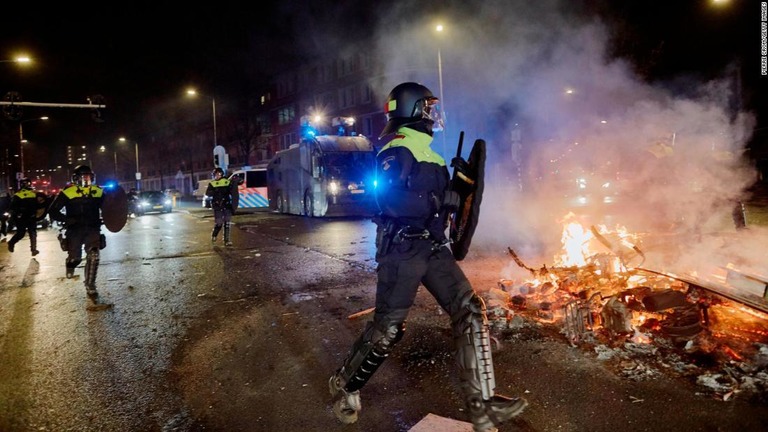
433, 113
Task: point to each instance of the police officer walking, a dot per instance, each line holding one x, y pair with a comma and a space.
82, 203
415, 201
24, 207
5, 208
220, 190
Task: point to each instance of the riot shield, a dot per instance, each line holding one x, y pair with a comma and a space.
114, 209
470, 190
234, 190
42, 206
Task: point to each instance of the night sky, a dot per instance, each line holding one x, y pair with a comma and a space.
136, 54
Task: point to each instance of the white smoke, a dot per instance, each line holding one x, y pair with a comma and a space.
672, 163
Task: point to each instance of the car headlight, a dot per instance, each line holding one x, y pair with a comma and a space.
167, 202
143, 203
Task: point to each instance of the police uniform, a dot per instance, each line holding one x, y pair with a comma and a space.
220, 191
82, 203
23, 210
414, 198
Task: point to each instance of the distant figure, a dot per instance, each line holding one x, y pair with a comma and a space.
221, 192
739, 215
5, 208
81, 203
133, 202
24, 207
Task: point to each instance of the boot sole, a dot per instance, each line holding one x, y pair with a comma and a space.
345, 415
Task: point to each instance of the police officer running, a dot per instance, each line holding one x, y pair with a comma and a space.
5, 208
23, 211
220, 191
82, 203
415, 201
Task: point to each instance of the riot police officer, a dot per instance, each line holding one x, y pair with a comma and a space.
220, 190
82, 202
23, 211
415, 200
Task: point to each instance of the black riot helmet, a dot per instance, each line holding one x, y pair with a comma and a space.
83, 176
25, 183
409, 103
216, 171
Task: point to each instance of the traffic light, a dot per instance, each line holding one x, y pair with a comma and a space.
12, 112
97, 114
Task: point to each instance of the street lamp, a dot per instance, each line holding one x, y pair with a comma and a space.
138, 173
22, 141
439, 29
192, 93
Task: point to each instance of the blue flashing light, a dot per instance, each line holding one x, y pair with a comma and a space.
109, 185
308, 132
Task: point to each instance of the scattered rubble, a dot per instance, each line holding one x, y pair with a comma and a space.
643, 325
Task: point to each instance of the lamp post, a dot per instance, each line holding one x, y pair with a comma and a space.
114, 153
22, 141
439, 29
192, 92
138, 172
22, 60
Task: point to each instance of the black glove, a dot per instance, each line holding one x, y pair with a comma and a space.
461, 166
451, 200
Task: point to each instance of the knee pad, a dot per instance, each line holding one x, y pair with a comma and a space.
468, 312
368, 353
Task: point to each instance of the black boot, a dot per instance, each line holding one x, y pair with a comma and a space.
33, 245
91, 268
473, 354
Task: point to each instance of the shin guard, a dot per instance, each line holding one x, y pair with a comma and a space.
227, 239
91, 268
368, 353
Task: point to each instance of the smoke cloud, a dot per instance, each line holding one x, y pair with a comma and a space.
570, 129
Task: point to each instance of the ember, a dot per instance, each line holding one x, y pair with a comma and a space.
597, 299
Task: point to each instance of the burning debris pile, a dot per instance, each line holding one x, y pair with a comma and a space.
645, 323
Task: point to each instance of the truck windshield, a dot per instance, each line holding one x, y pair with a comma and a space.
349, 165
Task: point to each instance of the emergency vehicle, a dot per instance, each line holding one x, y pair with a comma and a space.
252, 186
324, 175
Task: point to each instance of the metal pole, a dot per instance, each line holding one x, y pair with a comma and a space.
115, 153
215, 139
21, 147
442, 100
138, 173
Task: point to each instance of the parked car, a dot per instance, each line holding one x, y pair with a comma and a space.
153, 201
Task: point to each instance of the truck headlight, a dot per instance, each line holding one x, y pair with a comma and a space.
333, 187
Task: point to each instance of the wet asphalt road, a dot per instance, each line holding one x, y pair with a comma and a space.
66, 368
244, 338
